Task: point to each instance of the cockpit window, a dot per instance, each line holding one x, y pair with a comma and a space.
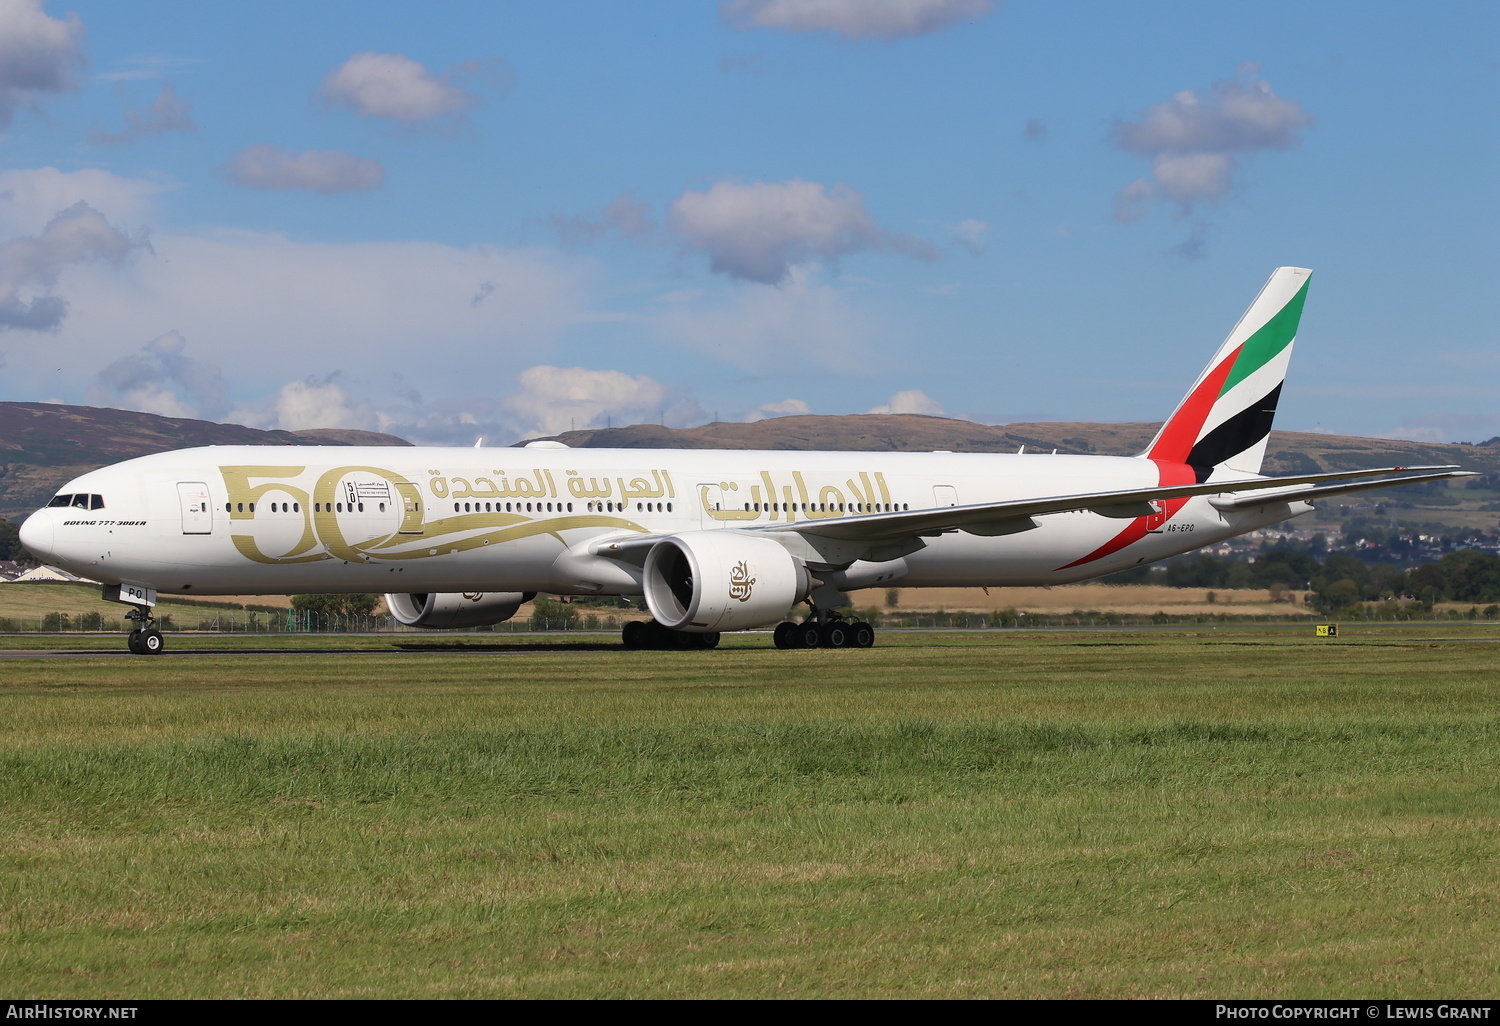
82, 500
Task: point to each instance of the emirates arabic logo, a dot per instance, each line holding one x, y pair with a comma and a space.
740, 582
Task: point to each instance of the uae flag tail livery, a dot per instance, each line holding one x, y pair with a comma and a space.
1225, 418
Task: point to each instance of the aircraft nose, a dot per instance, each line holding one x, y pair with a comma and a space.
36, 534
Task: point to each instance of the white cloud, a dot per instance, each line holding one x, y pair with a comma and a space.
308, 404
913, 400
269, 309
29, 265
30, 197
971, 235
324, 171
626, 217
1198, 143
802, 322
160, 379
391, 85
855, 19
38, 54
758, 231
166, 114
785, 408
557, 399
1446, 427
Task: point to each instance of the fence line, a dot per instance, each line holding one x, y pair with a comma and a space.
294, 621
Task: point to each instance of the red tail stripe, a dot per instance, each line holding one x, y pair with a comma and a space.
1179, 434
1167, 474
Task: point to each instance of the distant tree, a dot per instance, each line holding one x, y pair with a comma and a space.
10, 541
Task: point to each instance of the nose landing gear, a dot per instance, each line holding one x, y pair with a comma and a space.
145, 639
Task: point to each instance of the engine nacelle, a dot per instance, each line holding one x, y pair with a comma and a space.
452, 610
721, 581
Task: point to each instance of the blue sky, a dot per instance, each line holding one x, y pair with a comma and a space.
500, 219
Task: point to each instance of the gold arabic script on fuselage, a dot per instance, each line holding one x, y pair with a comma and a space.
770, 500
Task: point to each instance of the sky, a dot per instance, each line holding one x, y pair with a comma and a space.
503, 219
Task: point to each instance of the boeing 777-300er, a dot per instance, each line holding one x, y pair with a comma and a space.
714, 540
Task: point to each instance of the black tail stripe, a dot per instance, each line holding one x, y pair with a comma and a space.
1235, 435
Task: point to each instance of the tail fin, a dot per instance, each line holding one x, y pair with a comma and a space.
1225, 418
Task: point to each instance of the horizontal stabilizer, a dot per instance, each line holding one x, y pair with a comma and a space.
1303, 493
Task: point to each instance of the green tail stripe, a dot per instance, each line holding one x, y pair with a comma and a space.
1274, 336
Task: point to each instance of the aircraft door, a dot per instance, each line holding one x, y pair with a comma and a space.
411, 508
197, 515
944, 495
710, 501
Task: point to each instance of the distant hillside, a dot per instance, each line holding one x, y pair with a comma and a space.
42, 445
1289, 451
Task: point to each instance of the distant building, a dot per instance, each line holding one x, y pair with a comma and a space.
49, 573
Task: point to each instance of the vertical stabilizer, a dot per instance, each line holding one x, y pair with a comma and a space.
1225, 418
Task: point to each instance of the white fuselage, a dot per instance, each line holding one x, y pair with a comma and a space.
261, 520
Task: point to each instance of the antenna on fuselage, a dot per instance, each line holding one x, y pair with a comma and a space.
479, 442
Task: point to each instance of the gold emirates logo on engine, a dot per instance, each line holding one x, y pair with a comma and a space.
740, 582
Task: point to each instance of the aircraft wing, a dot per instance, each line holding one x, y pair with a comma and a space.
1015, 515
1012, 516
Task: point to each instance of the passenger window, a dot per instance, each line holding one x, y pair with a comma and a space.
252, 507
228, 507
296, 507
382, 506
361, 507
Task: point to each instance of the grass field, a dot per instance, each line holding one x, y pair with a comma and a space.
1227, 812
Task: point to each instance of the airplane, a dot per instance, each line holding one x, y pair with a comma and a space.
715, 540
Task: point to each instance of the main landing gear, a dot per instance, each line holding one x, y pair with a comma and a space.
650, 634
145, 639
824, 627
830, 634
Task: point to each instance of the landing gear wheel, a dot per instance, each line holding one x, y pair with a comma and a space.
807, 635
659, 637
709, 640
835, 634
634, 634
861, 635
145, 639
785, 635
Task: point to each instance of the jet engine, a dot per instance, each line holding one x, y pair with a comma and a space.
452, 610
707, 581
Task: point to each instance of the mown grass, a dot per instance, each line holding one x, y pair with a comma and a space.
1226, 813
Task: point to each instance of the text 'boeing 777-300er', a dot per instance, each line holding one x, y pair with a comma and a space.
715, 540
